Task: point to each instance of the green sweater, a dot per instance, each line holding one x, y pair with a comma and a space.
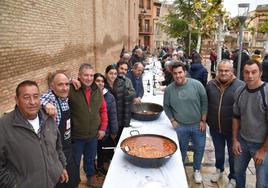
85, 119
186, 103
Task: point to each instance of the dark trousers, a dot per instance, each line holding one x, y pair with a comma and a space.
220, 141
105, 155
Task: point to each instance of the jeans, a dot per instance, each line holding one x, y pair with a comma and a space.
184, 133
88, 148
219, 141
241, 163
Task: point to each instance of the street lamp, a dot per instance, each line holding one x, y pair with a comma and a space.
190, 39
242, 16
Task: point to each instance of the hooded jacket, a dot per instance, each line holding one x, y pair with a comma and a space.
26, 158
199, 72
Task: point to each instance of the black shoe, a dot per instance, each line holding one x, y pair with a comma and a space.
101, 171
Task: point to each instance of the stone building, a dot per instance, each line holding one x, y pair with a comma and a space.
37, 37
146, 23
253, 37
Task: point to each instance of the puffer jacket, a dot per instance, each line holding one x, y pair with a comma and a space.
27, 159
112, 127
199, 72
220, 105
123, 101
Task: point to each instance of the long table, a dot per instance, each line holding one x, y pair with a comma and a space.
123, 174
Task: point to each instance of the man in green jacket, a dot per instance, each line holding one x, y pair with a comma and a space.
30, 144
185, 104
89, 120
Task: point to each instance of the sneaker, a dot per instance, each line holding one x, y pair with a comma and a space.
93, 182
101, 171
231, 183
216, 176
197, 176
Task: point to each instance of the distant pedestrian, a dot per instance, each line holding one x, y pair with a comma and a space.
197, 70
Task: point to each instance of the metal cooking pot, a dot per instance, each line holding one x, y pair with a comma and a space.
142, 140
146, 111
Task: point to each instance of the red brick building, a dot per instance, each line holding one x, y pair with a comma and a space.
37, 37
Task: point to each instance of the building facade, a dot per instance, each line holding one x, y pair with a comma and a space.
38, 37
253, 37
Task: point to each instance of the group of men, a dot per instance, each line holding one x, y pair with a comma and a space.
43, 138
37, 146
48, 154
236, 113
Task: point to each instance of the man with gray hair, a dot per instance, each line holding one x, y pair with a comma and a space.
220, 92
138, 56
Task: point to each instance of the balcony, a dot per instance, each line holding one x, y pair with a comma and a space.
146, 30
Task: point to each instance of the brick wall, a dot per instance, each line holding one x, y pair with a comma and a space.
40, 36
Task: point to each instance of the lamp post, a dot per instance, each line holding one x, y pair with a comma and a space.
242, 16
190, 40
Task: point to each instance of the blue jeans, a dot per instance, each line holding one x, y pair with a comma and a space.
241, 163
219, 141
184, 133
88, 148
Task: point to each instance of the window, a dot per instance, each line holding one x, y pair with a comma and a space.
141, 4
148, 4
157, 30
157, 12
147, 25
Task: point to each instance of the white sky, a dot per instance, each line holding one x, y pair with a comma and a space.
232, 5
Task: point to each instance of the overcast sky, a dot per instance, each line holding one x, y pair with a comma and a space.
232, 5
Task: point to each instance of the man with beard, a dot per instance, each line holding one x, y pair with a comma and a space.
185, 104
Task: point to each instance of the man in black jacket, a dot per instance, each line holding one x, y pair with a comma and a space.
220, 93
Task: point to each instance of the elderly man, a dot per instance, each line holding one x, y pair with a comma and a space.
185, 104
138, 56
89, 120
55, 102
30, 144
220, 92
250, 126
136, 79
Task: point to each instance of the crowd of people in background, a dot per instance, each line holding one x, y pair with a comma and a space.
42, 141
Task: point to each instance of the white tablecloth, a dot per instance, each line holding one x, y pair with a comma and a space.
123, 174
